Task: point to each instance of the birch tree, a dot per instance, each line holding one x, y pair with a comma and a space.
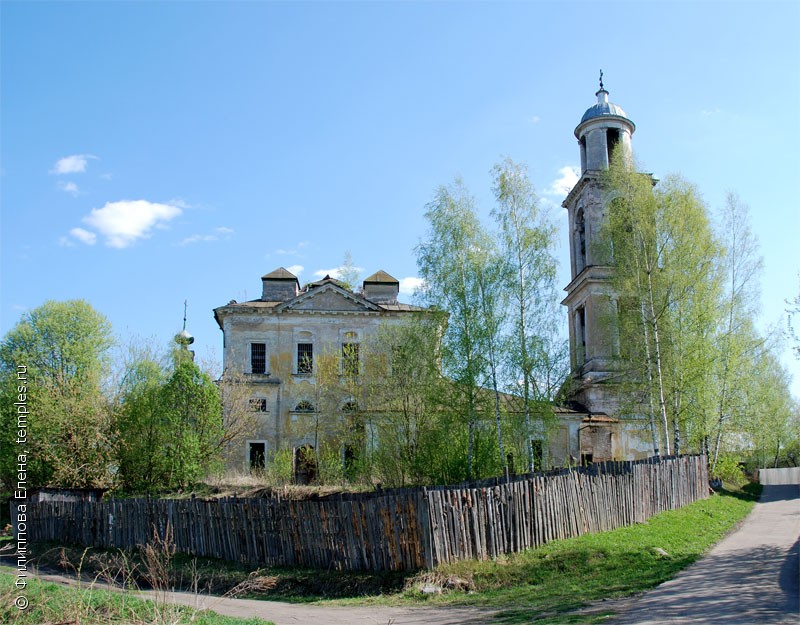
537, 360
741, 267
630, 240
447, 262
664, 268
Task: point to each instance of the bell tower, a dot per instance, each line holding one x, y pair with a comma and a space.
590, 299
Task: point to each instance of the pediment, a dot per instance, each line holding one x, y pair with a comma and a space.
327, 298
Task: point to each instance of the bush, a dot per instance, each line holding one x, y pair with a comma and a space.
729, 470
278, 471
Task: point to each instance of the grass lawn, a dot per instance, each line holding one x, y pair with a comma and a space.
548, 584
51, 603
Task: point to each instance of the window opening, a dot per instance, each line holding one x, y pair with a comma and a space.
537, 447
305, 465
258, 456
305, 358
580, 227
350, 361
581, 323
258, 404
258, 358
612, 140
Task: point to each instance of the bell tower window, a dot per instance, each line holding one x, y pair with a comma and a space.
612, 140
580, 336
580, 241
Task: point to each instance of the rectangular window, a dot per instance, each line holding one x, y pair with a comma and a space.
258, 358
258, 404
305, 358
350, 364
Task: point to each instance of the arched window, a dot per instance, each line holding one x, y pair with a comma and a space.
304, 406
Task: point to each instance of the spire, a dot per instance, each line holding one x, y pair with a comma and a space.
183, 338
602, 94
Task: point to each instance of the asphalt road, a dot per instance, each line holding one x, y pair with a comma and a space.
749, 578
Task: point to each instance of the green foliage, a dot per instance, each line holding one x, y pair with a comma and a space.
729, 470
501, 333
348, 273
62, 347
688, 353
172, 425
278, 470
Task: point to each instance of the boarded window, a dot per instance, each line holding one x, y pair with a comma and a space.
305, 358
258, 358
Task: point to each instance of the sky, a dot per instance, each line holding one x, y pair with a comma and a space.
153, 153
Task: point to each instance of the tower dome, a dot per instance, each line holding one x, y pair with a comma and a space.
603, 127
603, 108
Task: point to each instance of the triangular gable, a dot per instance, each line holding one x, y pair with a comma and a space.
328, 298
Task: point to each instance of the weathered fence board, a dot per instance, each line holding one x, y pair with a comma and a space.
404, 529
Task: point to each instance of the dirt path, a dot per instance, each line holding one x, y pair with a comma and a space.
283, 613
750, 578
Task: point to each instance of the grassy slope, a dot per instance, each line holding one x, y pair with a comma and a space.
563, 576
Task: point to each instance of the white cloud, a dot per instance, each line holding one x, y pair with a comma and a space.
221, 232
75, 164
69, 187
535, 119
123, 223
567, 178
198, 238
178, 202
336, 272
409, 286
84, 236
295, 251
295, 269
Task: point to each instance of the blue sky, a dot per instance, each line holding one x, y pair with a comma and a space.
155, 152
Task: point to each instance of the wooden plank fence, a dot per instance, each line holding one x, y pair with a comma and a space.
403, 529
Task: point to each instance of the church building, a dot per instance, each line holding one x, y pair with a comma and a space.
590, 300
275, 343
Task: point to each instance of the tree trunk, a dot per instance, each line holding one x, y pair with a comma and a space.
657, 346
